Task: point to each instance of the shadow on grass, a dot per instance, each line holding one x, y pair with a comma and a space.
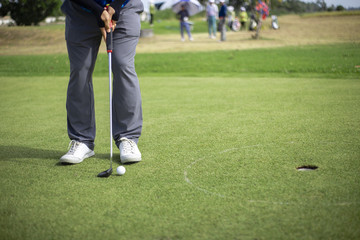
18, 152
13, 153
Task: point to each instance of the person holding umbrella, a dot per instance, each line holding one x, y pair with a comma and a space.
183, 15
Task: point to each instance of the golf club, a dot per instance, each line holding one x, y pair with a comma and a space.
109, 46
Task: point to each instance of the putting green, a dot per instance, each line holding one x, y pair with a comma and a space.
234, 173
220, 147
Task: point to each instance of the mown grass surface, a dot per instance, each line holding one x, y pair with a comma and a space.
220, 151
339, 60
332, 14
170, 26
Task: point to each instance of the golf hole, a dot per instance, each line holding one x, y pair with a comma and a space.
307, 168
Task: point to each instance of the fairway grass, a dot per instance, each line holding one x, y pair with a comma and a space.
226, 125
219, 161
294, 31
320, 61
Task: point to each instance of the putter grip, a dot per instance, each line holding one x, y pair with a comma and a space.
109, 41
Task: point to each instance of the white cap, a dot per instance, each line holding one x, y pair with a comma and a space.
242, 9
211, 1
222, 1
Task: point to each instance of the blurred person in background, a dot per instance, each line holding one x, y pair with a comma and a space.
212, 12
243, 18
183, 15
222, 20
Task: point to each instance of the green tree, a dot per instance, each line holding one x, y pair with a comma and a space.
28, 12
331, 8
340, 8
321, 4
4, 7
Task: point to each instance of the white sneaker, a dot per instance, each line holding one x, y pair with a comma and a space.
129, 151
77, 153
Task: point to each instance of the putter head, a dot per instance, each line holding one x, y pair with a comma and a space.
106, 173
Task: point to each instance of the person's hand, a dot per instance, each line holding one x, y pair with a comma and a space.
111, 12
106, 17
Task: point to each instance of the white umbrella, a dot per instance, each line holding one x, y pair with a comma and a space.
147, 3
192, 6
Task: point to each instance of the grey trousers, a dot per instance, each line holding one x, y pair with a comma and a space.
222, 26
83, 38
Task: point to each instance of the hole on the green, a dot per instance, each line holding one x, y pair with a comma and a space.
307, 168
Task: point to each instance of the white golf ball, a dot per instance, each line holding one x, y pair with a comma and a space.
120, 170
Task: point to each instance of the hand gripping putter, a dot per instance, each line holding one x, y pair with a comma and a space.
109, 46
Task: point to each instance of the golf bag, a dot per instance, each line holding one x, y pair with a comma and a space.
274, 22
253, 23
234, 25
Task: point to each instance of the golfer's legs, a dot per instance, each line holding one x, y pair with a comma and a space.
83, 38
80, 97
127, 111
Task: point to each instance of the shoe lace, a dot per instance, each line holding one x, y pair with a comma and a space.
128, 145
73, 146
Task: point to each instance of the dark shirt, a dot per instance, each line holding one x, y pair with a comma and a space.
97, 7
223, 11
183, 13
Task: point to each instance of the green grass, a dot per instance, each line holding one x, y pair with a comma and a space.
332, 14
339, 60
171, 26
220, 151
166, 22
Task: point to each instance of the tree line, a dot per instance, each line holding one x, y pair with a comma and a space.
32, 12
29, 12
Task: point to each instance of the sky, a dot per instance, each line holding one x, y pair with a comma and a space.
344, 3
